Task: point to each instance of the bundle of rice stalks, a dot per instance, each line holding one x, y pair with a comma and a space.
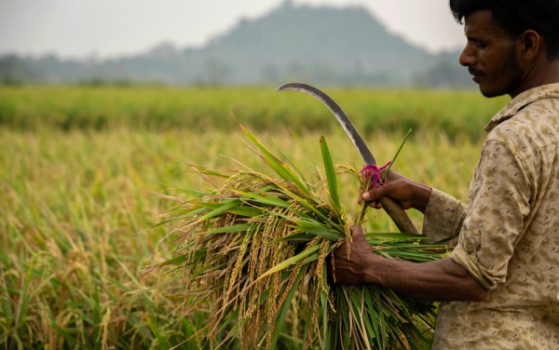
254, 253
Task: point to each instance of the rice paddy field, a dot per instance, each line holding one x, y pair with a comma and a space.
77, 166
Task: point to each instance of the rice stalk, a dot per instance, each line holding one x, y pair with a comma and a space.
254, 255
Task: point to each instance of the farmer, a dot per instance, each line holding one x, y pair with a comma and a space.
500, 287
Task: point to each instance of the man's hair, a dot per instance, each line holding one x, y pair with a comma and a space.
518, 16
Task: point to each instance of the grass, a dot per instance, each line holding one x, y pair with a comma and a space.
260, 109
73, 244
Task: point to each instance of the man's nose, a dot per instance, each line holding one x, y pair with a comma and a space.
467, 59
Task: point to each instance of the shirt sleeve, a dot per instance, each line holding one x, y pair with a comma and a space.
494, 222
443, 218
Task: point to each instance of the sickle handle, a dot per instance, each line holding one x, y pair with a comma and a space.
398, 215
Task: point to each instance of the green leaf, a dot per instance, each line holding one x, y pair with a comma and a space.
201, 170
316, 228
200, 271
294, 237
330, 174
293, 165
270, 200
191, 213
239, 210
285, 308
163, 343
374, 318
318, 231
187, 191
291, 261
311, 258
382, 323
279, 167
246, 211
175, 260
397, 153
139, 285
220, 210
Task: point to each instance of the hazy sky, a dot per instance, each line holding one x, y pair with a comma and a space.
112, 27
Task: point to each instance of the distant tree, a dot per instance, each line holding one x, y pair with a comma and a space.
298, 71
217, 72
270, 74
445, 74
13, 71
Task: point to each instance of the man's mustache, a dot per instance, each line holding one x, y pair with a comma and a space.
474, 71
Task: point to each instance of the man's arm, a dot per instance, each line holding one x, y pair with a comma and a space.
442, 280
488, 238
444, 214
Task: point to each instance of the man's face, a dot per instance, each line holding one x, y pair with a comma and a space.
490, 56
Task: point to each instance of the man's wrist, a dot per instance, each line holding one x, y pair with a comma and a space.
375, 267
422, 194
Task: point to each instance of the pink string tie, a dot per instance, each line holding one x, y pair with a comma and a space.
372, 172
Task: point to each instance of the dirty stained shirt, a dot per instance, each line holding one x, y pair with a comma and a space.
508, 232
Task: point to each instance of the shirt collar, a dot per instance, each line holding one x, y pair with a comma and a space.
521, 101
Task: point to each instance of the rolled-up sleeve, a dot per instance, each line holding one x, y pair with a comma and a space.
443, 218
494, 222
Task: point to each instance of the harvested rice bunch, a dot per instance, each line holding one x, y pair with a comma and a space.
253, 253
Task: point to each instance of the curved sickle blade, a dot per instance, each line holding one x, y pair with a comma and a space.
392, 208
340, 115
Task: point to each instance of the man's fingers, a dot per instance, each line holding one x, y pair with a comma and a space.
373, 204
341, 253
374, 193
381, 173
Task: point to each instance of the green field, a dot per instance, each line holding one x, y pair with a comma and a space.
75, 162
261, 109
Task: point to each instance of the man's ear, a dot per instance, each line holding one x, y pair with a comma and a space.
531, 45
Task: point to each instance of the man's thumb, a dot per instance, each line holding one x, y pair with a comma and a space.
374, 193
357, 233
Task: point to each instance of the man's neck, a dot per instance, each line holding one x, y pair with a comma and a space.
539, 76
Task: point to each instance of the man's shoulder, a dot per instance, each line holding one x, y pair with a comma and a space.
534, 127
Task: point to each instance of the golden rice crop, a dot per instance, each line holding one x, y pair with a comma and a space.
254, 251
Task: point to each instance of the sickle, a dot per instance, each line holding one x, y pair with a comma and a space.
392, 208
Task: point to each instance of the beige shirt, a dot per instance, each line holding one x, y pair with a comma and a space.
508, 233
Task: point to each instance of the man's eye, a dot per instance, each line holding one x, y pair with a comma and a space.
480, 45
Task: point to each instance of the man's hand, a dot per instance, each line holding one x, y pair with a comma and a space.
410, 194
441, 280
358, 267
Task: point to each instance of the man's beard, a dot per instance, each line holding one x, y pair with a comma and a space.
514, 73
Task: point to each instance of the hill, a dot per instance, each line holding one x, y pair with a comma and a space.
321, 45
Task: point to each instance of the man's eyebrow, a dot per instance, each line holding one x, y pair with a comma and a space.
471, 38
